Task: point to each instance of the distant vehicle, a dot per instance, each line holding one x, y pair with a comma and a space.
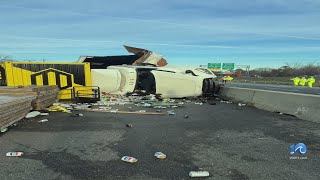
170, 82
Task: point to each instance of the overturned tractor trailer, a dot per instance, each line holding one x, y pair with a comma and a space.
170, 82
73, 79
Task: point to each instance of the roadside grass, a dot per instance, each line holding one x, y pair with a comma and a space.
270, 80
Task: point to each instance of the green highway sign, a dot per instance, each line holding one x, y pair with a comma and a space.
227, 66
214, 66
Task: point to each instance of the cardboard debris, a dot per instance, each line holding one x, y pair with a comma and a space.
44, 95
14, 108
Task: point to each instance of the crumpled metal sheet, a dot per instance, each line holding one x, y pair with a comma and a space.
147, 56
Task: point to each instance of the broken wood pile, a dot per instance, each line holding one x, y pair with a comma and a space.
14, 108
45, 95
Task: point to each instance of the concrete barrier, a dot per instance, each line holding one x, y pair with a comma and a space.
303, 106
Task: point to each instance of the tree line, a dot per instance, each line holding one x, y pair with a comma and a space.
285, 71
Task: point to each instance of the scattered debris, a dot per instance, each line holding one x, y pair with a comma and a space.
186, 116
174, 106
125, 112
171, 113
3, 130
129, 159
77, 115
281, 113
227, 102
198, 103
129, 125
32, 114
160, 155
199, 174
59, 108
14, 154
141, 111
44, 120
114, 111
44, 114
240, 104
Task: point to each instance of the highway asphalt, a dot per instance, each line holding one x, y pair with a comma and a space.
282, 88
229, 142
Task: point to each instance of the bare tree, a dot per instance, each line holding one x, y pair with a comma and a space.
5, 58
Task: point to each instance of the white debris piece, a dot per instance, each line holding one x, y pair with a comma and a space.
129, 159
14, 154
240, 104
199, 103
160, 155
33, 114
4, 130
171, 113
114, 111
199, 174
142, 111
44, 120
44, 114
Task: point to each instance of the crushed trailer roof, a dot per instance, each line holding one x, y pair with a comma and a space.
141, 56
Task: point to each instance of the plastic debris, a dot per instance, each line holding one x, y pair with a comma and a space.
181, 103
160, 155
59, 108
129, 125
44, 120
174, 106
77, 115
199, 103
141, 111
33, 114
186, 116
14, 154
199, 174
281, 113
171, 113
240, 104
4, 130
44, 114
228, 102
114, 111
129, 159
159, 107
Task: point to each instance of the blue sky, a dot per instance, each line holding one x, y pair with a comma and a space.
260, 33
